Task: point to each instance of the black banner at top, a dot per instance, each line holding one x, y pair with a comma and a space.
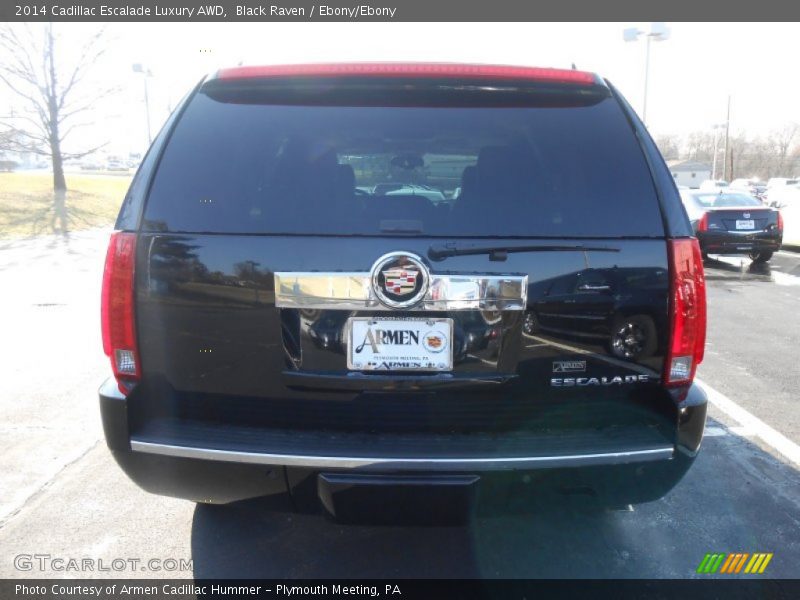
395, 10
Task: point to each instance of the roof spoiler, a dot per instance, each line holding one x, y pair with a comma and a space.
411, 70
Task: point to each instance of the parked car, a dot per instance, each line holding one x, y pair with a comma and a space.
713, 184
783, 194
734, 223
787, 199
776, 182
753, 187
377, 348
117, 165
91, 164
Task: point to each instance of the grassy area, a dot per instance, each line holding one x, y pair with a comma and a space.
27, 208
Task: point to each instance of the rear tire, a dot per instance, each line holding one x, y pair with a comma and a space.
530, 324
633, 337
761, 256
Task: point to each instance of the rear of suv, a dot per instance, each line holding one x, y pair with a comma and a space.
280, 325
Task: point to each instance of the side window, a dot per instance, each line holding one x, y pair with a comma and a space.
589, 281
563, 285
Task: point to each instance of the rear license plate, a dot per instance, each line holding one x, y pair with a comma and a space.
399, 344
745, 224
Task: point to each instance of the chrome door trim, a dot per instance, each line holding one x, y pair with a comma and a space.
390, 463
354, 291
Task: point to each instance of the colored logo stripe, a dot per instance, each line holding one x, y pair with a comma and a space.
733, 562
758, 563
710, 563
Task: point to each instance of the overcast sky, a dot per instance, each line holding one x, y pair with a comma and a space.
691, 74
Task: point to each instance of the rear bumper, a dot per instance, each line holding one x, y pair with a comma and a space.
305, 471
738, 243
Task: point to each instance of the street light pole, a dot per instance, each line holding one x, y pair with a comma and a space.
147, 111
658, 32
138, 68
727, 143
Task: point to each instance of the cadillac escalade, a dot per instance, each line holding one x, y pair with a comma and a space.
425, 288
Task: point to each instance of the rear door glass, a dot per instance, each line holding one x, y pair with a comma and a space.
355, 170
726, 200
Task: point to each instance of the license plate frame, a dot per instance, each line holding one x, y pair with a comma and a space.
412, 355
746, 224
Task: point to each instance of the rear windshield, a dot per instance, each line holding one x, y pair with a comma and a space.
725, 200
358, 170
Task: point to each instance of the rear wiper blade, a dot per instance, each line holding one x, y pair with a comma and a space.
500, 253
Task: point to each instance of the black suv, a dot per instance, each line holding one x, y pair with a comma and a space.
282, 324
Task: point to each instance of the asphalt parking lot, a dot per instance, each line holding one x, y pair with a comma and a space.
62, 496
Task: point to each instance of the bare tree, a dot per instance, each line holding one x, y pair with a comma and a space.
782, 142
7, 141
776, 154
793, 164
50, 99
669, 145
700, 146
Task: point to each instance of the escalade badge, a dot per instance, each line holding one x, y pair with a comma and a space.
400, 279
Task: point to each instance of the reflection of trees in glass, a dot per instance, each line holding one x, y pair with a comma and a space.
176, 259
249, 271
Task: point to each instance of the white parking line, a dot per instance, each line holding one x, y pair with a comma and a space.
715, 432
749, 424
752, 425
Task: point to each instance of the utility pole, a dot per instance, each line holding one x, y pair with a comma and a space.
728, 160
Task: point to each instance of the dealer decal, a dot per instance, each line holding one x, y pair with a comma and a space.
569, 366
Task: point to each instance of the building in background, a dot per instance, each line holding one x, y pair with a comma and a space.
689, 172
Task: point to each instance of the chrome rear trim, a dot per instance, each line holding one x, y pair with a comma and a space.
353, 291
393, 463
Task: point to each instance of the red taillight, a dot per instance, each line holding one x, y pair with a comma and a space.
702, 224
444, 70
116, 309
687, 311
780, 221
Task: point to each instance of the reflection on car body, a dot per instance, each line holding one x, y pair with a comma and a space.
619, 306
